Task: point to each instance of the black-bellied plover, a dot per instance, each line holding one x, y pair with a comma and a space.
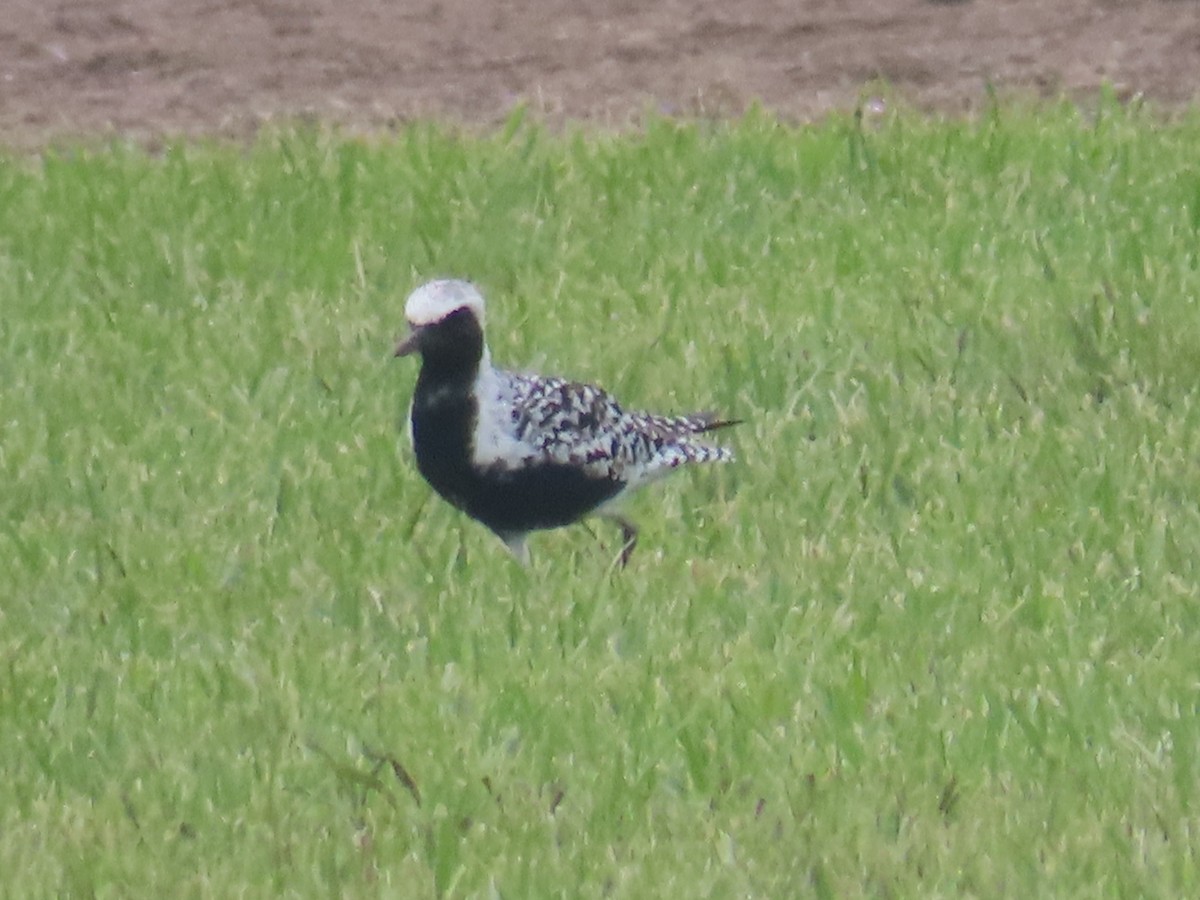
521, 453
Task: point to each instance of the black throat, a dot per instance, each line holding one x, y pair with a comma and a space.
452, 347
444, 409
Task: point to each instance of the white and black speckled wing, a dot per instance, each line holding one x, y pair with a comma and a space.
528, 420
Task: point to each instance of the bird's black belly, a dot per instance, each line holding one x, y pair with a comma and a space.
507, 501
545, 496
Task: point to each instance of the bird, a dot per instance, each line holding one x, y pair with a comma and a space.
524, 452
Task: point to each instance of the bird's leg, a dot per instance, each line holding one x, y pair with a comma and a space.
517, 547
629, 536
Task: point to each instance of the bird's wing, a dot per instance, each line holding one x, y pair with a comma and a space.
565, 422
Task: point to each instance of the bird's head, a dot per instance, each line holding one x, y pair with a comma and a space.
442, 313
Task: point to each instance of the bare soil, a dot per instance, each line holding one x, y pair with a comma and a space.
152, 67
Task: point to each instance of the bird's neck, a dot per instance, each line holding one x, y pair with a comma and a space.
453, 349
443, 418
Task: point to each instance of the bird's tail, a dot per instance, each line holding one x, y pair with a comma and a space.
699, 423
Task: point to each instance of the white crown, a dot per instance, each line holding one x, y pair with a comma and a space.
435, 300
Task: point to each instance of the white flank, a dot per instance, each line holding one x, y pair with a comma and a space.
496, 443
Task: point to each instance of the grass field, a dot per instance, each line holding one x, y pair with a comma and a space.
935, 634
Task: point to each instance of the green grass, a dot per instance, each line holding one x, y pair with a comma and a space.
935, 634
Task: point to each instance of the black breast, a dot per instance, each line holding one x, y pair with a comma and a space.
443, 416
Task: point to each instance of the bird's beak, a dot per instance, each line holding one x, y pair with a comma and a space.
410, 344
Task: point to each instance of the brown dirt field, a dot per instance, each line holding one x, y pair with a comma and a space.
153, 67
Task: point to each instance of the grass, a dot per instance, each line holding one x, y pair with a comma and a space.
935, 634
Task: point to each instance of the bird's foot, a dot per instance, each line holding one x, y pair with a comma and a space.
629, 536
